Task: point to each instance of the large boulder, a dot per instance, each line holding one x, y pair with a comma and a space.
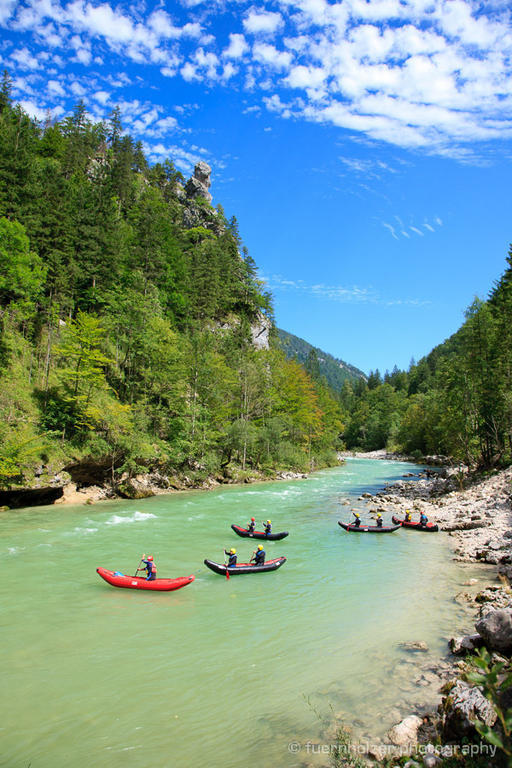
133, 489
496, 630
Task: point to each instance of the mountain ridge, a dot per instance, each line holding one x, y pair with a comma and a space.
335, 370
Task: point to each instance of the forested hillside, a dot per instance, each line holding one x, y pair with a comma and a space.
456, 401
317, 362
127, 310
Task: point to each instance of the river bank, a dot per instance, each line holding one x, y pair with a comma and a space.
74, 486
475, 511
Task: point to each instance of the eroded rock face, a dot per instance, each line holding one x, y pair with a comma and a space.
199, 184
496, 629
463, 705
260, 330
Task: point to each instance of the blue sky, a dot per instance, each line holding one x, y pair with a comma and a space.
365, 147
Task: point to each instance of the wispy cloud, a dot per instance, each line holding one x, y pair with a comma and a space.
336, 293
399, 228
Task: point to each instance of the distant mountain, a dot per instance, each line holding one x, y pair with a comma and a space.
335, 371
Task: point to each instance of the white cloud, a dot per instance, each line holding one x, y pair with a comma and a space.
39, 112
102, 97
305, 77
77, 89
189, 72
262, 22
238, 46
24, 59
432, 75
55, 88
268, 54
6, 9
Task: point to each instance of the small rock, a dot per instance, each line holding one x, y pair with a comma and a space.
462, 645
405, 733
430, 761
415, 645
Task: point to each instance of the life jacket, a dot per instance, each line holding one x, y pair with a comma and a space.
259, 557
150, 566
251, 527
268, 528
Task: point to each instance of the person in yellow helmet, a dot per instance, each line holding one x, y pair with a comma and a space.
379, 520
357, 521
268, 527
407, 516
232, 557
258, 556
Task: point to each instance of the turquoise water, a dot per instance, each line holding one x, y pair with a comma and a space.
220, 673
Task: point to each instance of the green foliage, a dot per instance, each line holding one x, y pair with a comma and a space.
343, 754
22, 274
133, 341
456, 401
494, 679
335, 371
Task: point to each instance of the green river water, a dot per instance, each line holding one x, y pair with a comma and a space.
221, 673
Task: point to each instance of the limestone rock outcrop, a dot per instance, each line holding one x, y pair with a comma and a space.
199, 184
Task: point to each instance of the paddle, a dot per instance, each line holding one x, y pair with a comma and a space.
138, 568
227, 572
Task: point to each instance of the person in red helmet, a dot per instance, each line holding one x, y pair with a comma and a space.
149, 567
251, 525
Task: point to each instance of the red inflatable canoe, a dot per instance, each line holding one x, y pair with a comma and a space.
429, 527
137, 582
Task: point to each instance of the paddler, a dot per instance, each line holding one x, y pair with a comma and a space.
268, 527
423, 519
407, 516
232, 557
251, 526
258, 556
149, 567
379, 520
357, 521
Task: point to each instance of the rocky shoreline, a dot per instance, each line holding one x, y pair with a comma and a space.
476, 513
69, 487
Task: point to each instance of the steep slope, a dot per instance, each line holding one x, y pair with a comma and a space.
335, 371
